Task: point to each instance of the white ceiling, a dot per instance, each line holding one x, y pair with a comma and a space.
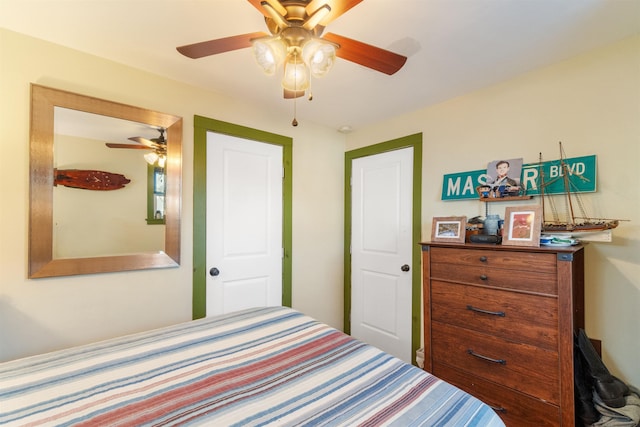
453, 46
98, 127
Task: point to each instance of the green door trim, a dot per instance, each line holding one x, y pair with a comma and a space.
414, 141
201, 126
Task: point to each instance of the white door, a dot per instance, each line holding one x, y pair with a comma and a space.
244, 224
381, 280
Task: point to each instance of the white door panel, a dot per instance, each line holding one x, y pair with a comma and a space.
382, 189
244, 223
379, 292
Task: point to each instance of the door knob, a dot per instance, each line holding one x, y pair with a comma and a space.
214, 272
405, 267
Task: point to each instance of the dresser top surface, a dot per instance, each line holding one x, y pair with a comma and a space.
500, 247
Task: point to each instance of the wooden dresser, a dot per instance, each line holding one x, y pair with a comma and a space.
499, 322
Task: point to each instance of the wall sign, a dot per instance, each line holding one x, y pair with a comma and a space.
462, 185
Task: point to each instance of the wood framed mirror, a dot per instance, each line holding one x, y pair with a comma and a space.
45, 260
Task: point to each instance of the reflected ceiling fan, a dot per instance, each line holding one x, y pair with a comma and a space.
296, 43
158, 145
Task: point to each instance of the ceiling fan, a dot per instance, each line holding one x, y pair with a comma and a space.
158, 145
296, 43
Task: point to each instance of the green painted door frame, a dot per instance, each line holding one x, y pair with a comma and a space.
414, 141
202, 125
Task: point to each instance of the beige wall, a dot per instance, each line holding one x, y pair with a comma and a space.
46, 314
592, 104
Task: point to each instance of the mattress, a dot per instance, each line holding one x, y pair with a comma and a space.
263, 366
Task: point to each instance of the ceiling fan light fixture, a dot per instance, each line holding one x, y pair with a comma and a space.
293, 25
162, 160
319, 56
269, 53
151, 157
296, 75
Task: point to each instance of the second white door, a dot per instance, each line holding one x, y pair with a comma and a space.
381, 223
244, 224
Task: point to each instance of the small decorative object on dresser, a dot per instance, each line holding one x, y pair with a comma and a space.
450, 229
522, 225
499, 323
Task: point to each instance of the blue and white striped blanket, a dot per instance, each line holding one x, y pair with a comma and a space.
266, 366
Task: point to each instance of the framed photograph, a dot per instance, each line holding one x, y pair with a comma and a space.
522, 226
450, 229
504, 172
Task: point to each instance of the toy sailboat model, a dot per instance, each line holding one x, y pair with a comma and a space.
552, 222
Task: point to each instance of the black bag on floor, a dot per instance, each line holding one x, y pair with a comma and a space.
610, 389
583, 385
596, 388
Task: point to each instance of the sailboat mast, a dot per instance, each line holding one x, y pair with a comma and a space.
567, 184
541, 181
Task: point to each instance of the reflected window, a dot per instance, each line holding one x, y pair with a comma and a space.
155, 194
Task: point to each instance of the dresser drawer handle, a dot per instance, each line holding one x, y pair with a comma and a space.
488, 359
479, 310
498, 408
484, 277
483, 259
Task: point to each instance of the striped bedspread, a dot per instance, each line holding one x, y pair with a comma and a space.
266, 366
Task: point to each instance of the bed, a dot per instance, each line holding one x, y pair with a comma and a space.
262, 366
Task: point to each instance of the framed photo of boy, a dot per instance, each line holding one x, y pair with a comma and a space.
449, 229
504, 172
522, 226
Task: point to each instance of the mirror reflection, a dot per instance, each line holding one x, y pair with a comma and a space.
101, 187
105, 186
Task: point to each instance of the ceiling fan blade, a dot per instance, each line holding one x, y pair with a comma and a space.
213, 47
275, 4
366, 55
133, 146
290, 94
338, 7
148, 143
315, 18
277, 17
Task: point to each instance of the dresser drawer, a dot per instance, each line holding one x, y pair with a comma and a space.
530, 319
528, 281
529, 369
515, 409
523, 261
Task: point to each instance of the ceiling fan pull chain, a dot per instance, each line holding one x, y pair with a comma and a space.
294, 122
